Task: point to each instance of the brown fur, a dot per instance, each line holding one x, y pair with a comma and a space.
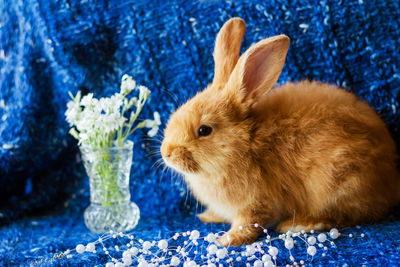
304, 156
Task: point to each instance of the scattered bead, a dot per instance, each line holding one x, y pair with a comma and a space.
334, 233
90, 247
311, 240
258, 263
134, 251
194, 235
250, 250
80, 248
273, 251
266, 258
221, 253
289, 243
147, 245
311, 250
321, 237
212, 249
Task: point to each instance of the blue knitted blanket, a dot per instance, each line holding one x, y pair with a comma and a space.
50, 47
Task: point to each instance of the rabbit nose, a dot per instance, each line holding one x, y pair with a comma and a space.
166, 151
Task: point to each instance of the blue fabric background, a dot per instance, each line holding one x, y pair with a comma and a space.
49, 47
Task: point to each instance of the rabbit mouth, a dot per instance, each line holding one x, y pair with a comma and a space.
184, 166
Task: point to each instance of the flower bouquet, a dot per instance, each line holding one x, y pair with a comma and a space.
102, 127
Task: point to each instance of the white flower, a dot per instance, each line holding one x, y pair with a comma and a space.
153, 124
132, 102
157, 117
73, 112
127, 84
87, 100
83, 137
143, 92
116, 102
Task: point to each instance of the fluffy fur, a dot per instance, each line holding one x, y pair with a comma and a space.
302, 156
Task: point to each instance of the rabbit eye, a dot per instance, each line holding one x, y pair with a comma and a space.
204, 130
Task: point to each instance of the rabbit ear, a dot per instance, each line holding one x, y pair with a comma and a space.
258, 69
227, 49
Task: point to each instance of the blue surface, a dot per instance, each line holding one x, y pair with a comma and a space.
49, 47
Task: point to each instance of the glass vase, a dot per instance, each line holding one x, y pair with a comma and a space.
110, 200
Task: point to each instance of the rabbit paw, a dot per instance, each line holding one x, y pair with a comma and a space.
210, 217
307, 226
236, 237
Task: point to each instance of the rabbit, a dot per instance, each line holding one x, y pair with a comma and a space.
302, 156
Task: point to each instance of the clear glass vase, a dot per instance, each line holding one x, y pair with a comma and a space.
110, 200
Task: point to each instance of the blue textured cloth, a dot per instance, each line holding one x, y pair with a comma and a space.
49, 47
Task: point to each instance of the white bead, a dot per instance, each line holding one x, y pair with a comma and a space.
210, 238
194, 235
269, 264
289, 243
189, 264
334, 233
126, 254
256, 225
311, 240
127, 261
221, 253
147, 245
250, 250
90, 247
175, 261
110, 264
80, 248
134, 251
238, 258
118, 264
265, 231
322, 237
266, 258
350, 235
162, 244
362, 235
212, 249
311, 250
240, 227
258, 263
273, 251
143, 264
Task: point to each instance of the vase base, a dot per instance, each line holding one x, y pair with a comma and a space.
118, 218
